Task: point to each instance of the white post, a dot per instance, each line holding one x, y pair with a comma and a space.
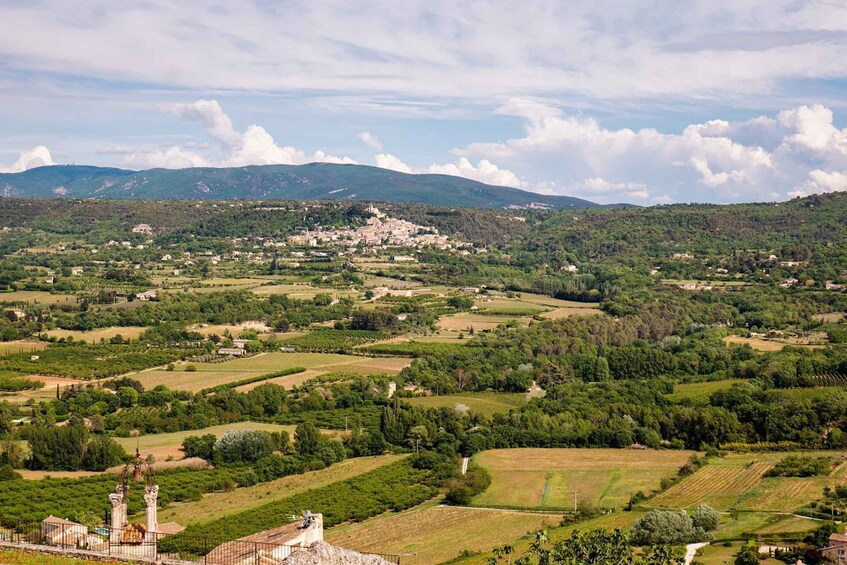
151, 496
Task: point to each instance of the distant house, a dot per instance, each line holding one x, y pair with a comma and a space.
569, 269
683, 256
239, 343
836, 551
234, 351
470, 290
77, 270
404, 259
16, 312
58, 531
167, 257
146, 295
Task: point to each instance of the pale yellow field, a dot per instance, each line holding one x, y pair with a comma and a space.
10, 347
94, 336
461, 322
559, 313
215, 505
161, 446
213, 374
770, 344
539, 478
555, 302
234, 329
434, 534
36, 297
373, 281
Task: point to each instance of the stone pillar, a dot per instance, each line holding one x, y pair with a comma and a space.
151, 497
118, 502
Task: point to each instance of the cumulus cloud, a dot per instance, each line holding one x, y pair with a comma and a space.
370, 140
798, 151
484, 171
30, 159
254, 146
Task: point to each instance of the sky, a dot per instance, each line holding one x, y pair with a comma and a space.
646, 102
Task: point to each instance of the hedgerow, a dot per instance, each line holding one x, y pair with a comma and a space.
250, 380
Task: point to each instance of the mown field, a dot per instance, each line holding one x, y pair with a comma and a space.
213, 374
434, 534
10, 347
547, 478
218, 504
94, 336
737, 481
36, 297
486, 403
162, 446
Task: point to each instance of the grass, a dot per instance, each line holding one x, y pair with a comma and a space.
16, 557
213, 374
163, 445
216, 505
762, 344
559, 313
485, 403
479, 322
700, 392
766, 525
434, 534
547, 478
94, 336
737, 481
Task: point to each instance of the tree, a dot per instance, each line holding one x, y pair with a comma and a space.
418, 435
749, 555
101, 453
127, 396
199, 446
307, 438
663, 527
237, 446
705, 517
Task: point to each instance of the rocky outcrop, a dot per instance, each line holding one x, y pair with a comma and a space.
322, 553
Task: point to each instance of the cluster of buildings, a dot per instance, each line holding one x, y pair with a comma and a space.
379, 230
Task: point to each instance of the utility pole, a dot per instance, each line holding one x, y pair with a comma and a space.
574, 502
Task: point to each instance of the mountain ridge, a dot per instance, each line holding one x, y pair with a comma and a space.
313, 181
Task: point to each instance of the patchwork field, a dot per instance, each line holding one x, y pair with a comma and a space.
212, 374
486, 403
774, 344
737, 481
479, 322
559, 313
547, 478
218, 504
434, 534
94, 336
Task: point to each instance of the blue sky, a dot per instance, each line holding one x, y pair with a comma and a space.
665, 101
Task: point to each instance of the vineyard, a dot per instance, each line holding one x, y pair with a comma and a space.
830, 380
330, 339
395, 487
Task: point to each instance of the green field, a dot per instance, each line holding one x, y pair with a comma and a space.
700, 392
434, 534
486, 403
548, 478
737, 481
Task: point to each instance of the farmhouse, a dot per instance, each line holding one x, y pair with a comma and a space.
234, 351
146, 295
77, 270
836, 551
59, 531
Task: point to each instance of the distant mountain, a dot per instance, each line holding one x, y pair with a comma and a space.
293, 182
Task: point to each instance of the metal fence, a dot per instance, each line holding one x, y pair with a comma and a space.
138, 545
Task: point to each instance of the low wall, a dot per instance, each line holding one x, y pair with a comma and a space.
87, 555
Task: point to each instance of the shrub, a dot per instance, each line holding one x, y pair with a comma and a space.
237, 446
705, 517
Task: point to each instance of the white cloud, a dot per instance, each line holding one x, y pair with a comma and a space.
389, 161
370, 140
30, 159
253, 146
764, 158
484, 171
